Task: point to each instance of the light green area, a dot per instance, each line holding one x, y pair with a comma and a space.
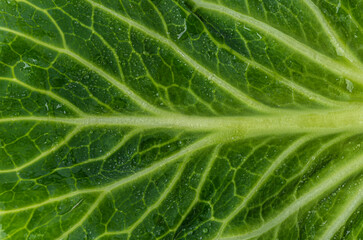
181, 119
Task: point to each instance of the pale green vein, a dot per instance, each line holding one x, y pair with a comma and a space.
103, 157
201, 144
319, 121
322, 149
208, 168
70, 121
117, 147
162, 197
208, 74
194, 147
155, 205
87, 89
292, 85
313, 159
326, 185
351, 16
276, 232
247, 6
141, 102
24, 227
149, 76
101, 38
165, 26
133, 96
50, 18
338, 68
346, 211
85, 216
251, 153
46, 153
339, 45
50, 94
202, 101
49, 201
267, 174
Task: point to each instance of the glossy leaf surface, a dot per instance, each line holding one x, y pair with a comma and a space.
181, 119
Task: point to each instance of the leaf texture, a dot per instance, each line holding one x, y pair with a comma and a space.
181, 119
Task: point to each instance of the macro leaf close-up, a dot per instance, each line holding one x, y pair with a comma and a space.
181, 119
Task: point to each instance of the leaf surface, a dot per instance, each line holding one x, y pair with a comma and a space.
181, 119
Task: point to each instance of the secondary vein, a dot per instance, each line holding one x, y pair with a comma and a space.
239, 95
133, 96
338, 68
47, 93
325, 186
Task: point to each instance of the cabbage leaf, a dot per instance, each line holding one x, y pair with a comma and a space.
181, 119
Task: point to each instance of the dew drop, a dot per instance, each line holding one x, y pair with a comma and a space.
338, 6
350, 85
185, 29
26, 65
246, 28
145, 53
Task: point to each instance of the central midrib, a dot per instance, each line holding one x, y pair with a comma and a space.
324, 121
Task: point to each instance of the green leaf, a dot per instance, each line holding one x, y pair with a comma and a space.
181, 119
